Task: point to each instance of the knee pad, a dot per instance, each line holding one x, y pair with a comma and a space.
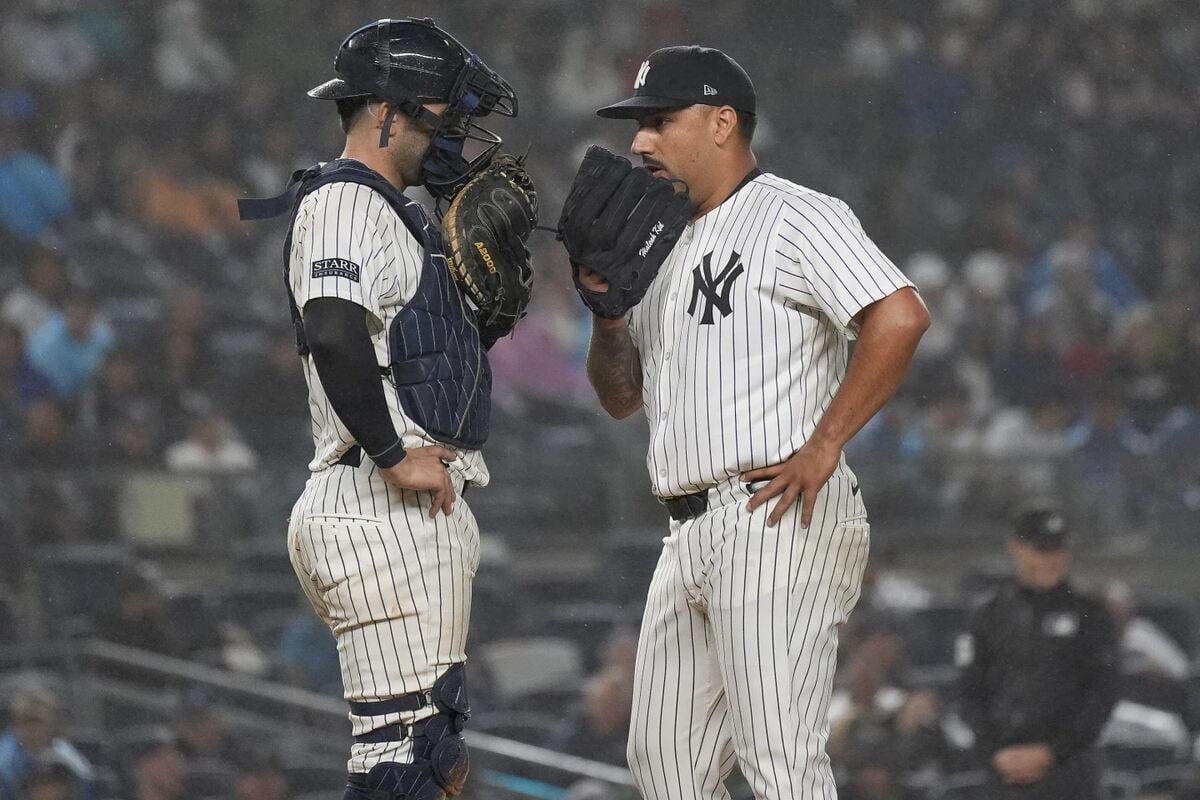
389, 780
450, 692
450, 763
444, 748
434, 778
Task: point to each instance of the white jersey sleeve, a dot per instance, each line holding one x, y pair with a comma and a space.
825, 261
344, 245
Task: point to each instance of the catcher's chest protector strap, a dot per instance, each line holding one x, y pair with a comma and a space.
437, 364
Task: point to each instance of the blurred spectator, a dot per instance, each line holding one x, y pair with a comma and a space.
176, 195
1031, 370
1040, 671
886, 589
212, 447
269, 398
260, 775
1076, 274
27, 306
156, 769
20, 384
1143, 368
922, 744
70, 346
122, 416
188, 58
59, 501
1147, 651
200, 734
945, 301
862, 708
544, 360
50, 780
139, 618
873, 772
586, 75
32, 741
599, 727
184, 355
33, 196
1037, 430
307, 653
46, 441
43, 46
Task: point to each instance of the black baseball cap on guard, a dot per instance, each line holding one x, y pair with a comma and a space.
1043, 528
674, 77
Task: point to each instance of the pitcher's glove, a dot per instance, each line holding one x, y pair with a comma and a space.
621, 222
485, 230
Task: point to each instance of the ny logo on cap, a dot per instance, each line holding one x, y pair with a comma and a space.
640, 80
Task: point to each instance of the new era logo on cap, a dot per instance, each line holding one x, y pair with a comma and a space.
709, 91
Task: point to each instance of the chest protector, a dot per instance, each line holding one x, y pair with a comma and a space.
436, 363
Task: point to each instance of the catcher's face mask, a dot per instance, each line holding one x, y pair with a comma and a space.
410, 62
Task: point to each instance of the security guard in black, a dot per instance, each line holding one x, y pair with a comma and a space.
1040, 672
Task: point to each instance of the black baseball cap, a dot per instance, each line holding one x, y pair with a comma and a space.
674, 77
1043, 528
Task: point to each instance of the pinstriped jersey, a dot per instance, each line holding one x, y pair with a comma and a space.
348, 242
744, 333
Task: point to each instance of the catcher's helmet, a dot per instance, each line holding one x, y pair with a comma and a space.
408, 62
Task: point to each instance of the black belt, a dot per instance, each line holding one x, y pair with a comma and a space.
686, 506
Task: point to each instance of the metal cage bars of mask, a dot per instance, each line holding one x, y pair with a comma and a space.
477, 91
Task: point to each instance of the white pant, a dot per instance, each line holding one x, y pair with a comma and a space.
393, 585
739, 644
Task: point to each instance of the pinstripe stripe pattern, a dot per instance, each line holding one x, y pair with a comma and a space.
747, 391
353, 222
393, 585
739, 640
738, 648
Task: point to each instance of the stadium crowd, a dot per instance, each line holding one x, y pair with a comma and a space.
1032, 167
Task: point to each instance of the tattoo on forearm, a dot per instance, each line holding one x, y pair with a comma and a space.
615, 370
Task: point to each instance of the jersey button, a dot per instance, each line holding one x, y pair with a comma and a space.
662, 473
667, 356
672, 295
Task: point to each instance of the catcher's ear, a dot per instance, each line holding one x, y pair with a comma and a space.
724, 124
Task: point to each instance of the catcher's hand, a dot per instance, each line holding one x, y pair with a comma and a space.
621, 222
485, 230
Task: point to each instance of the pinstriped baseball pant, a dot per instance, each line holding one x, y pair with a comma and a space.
738, 647
392, 584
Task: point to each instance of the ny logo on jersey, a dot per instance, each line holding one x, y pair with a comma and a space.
716, 289
640, 80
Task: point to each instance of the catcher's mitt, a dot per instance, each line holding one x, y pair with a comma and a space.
621, 222
485, 229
